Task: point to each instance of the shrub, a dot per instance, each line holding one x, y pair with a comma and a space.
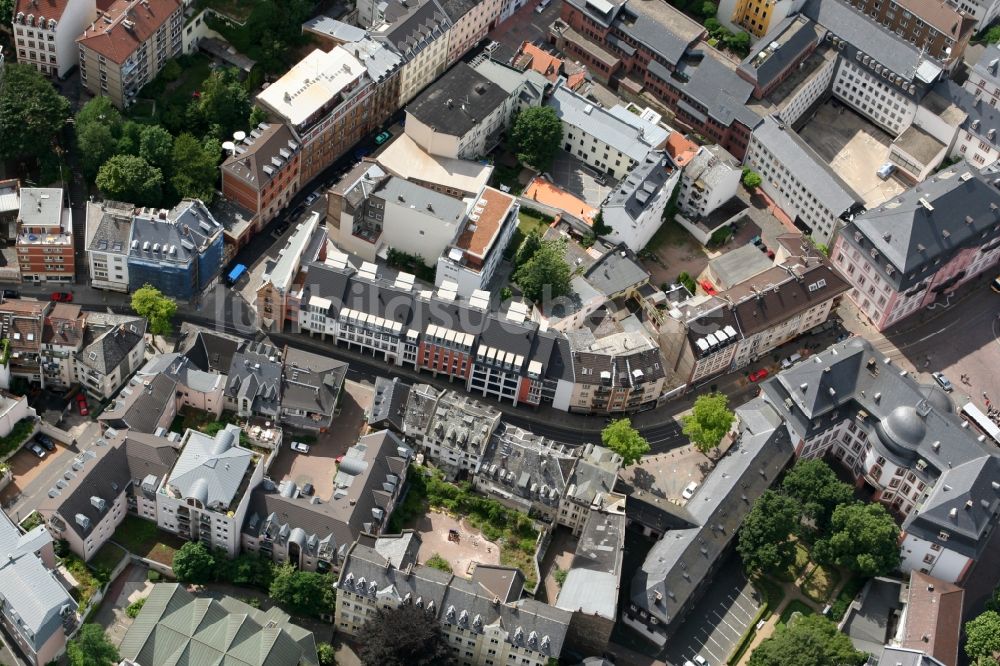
133, 608
18, 435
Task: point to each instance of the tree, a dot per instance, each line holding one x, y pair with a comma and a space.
159, 310
194, 168
546, 275
32, 113
709, 421
993, 35
326, 654
863, 538
99, 111
623, 439
6, 12
130, 141
403, 636
257, 116
91, 647
982, 636
599, 227
810, 640
193, 563
993, 603
739, 42
98, 125
536, 136
132, 179
751, 179
688, 282
156, 146
528, 247
815, 486
303, 592
764, 542
708, 9
224, 102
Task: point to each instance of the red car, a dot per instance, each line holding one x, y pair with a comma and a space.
62, 296
81, 404
758, 375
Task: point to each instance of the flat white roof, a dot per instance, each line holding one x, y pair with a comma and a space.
312, 83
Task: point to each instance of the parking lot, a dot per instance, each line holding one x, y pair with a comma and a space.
716, 623
32, 477
578, 179
319, 466
666, 474
526, 25
854, 148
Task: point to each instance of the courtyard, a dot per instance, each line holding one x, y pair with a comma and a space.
470, 548
854, 149
319, 466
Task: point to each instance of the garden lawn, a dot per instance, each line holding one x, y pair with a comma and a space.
89, 582
820, 583
529, 221
106, 559
795, 606
669, 234
772, 591
144, 539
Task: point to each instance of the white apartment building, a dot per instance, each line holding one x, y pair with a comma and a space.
45, 32
634, 210
471, 20
471, 259
612, 141
207, 493
109, 225
419, 33
710, 179
800, 181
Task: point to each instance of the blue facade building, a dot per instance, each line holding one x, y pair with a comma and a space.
178, 251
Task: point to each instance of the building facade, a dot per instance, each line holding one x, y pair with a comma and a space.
45, 33
262, 172
45, 236
127, 47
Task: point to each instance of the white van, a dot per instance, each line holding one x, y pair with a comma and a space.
791, 360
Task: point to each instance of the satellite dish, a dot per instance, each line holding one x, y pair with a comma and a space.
239, 136
228, 146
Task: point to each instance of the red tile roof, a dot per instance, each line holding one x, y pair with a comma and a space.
50, 9
108, 35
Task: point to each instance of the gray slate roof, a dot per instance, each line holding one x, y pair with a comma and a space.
109, 340
187, 229
627, 202
795, 36
255, 374
678, 562
138, 406
663, 29
389, 404
929, 223
592, 584
211, 469
713, 84
312, 383
619, 269
808, 167
27, 586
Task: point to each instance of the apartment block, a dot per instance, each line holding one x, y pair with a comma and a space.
276, 298
206, 494
471, 258
923, 245
904, 443
285, 525
801, 183
109, 230
612, 140
484, 619
351, 90
127, 46
45, 32
938, 29
22, 322
36, 611
262, 172
419, 33
634, 209
45, 236
755, 16
470, 21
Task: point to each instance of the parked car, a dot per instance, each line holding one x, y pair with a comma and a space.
995, 285
791, 360
11, 293
281, 229
541, 6
300, 447
688, 491
62, 296
37, 450
307, 490
943, 381
46, 443
886, 170
700, 660
81, 404
382, 138
758, 375
311, 198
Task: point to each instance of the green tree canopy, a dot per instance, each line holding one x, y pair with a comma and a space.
982, 636
536, 136
623, 439
303, 592
193, 563
708, 9
156, 146
751, 179
6, 12
159, 310
326, 654
403, 636
91, 647
100, 111
32, 113
131, 179
130, 141
194, 167
764, 542
709, 421
815, 486
810, 640
528, 247
546, 274
863, 538
257, 116
224, 102
98, 127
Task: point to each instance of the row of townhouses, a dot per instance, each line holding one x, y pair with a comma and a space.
57, 345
